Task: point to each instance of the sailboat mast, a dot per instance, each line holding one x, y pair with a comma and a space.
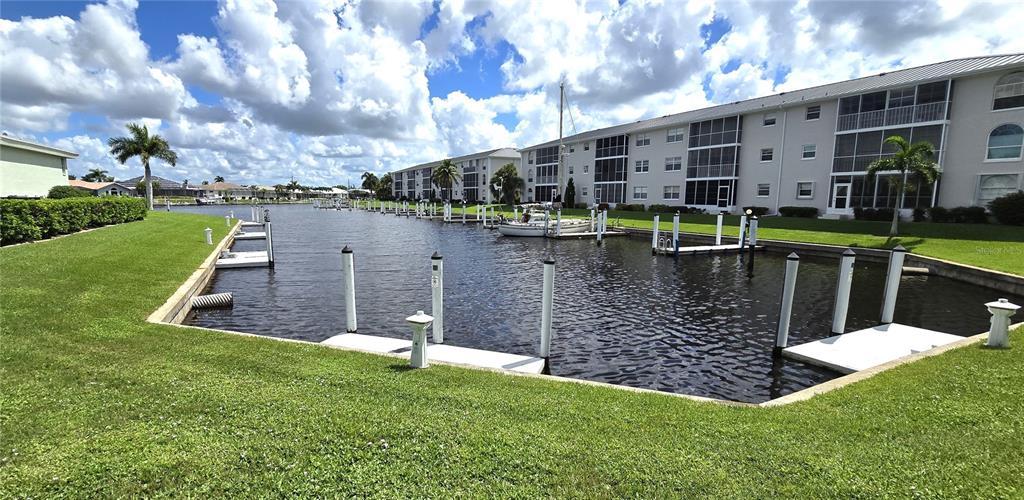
561, 105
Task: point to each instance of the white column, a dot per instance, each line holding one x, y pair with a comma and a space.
675, 233
592, 228
654, 234
999, 333
463, 211
437, 296
252, 213
718, 229
270, 242
558, 222
786, 311
892, 283
209, 236
752, 226
418, 356
546, 307
843, 292
349, 276
743, 231
600, 227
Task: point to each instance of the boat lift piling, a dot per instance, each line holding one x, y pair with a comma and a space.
743, 231
675, 234
786, 310
842, 301
547, 304
752, 246
348, 269
718, 229
892, 283
654, 234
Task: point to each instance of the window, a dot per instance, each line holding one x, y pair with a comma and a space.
715, 132
671, 193
643, 166
584, 190
763, 190
767, 154
809, 151
586, 146
643, 140
991, 187
570, 169
902, 97
572, 148
639, 192
768, 120
675, 135
530, 159
1004, 143
1009, 92
804, 190
813, 113
616, 145
673, 163
586, 169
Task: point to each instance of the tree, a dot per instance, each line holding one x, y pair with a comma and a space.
206, 183
570, 194
140, 187
218, 179
140, 143
908, 160
184, 183
384, 185
370, 181
97, 175
506, 185
445, 176
62, 191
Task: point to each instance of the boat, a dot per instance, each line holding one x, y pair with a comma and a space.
210, 200
535, 226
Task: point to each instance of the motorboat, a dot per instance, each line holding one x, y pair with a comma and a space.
536, 222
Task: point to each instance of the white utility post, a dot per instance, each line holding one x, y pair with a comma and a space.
743, 230
546, 308
558, 222
786, 311
842, 304
437, 295
718, 229
752, 226
349, 275
892, 283
418, 356
654, 234
209, 236
999, 333
270, 243
675, 232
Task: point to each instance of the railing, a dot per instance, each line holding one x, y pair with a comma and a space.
932, 111
547, 179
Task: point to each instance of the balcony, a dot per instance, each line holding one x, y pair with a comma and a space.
930, 112
547, 179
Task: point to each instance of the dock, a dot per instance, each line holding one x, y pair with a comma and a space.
243, 259
254, 235
251, 224
863, 349
439, 352
580, 236
706, 249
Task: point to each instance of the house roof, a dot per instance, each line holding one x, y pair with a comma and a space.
497, 153
221, 186
93, 186
9, 141
165, 183
930, 72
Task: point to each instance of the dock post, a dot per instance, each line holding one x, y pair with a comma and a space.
484, 219
349, 275
231, 214
752, 229
675, 233
547, 221
437, 296
600, 227
463, 211
547, 304
999, 332
418, 356
718, 229
558, 222
743, 231
788, 289
892, 283
252, 213
843, 292
480, 215
654, 234
227, 220
167, 201
209, 236
270, 243
591, 220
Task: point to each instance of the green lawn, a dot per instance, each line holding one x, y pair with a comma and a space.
96, 402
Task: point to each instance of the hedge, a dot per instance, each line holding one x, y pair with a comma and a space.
810, 212
758, 211
970, 215
28, 220
1009, 209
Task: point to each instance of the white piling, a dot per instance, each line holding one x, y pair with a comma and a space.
547, 304
600, 227
209, 236
349, 275
418, 356
675, 233
743, 231
999, 332
252, 213
484, 209
786, 311
558, 222
479, 212
231, 214
591, 220
463, 212
167, 201
654, 234
270, 243
892, 283
842, 304
515, 213
752, 226
718, 229
437, 296
227, 220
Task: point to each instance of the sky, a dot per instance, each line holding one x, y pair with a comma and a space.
321, 91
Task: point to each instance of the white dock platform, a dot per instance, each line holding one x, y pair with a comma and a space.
439, 352
255, 235
702, 249
586, 235
252, 224
244, 259
868, 348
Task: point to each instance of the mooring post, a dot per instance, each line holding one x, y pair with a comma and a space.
463, 211
252, 213
418, 356
843, 292
743, 231
675, 233
231, 214
654, 234
547, 219
480, 211
348, 267
718, 229
437, 295
167, 201
547, 304
786, 311
270, 243
752, 229
484, 219
604, 221
892, 283
600, 227
558, 222
209, 236
227, 220
515, 213
591, 220
999, 332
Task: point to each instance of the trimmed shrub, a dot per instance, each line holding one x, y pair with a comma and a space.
60, 192
920, 215
1009, 209
969, 215
809, 212
875, 214
758, 211
630, 207
28, 220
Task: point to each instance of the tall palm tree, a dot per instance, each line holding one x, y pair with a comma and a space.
908, 160
445, 176
97, 175
384, 185
506, 184
370, 181
145, 146
218, 179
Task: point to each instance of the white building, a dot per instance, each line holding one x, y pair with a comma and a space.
414, 183
29, 169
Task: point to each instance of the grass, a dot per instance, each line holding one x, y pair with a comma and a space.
96, 402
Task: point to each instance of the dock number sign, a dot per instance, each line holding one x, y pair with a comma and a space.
435, 281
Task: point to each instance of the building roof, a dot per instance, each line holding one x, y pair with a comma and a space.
165, 183
221, 186
496, 153
930, 72
9, 141
93, 186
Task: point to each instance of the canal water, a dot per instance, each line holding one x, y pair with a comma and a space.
695, 326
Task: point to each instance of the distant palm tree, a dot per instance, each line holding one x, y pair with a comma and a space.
370, 181
145, 146
97, 175
384, 185
506, 184
908, 160
445, 176
218, 179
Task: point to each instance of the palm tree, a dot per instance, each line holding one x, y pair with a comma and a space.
506, 184
384, 185
97, 175
908, 160
145, 146
370, 181
445, 176
218, 179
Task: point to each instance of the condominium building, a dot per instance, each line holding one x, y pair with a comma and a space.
414, 183
808, 147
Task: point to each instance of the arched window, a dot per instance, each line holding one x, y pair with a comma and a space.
1005, 142
1009, 92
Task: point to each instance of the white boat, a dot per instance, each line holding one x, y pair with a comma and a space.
535, 225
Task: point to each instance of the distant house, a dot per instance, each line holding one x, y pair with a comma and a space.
104, 188
29, 169
165, 187
225, 190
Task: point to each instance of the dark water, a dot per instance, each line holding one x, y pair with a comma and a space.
699, 326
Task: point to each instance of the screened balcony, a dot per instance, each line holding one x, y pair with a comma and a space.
921, 113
